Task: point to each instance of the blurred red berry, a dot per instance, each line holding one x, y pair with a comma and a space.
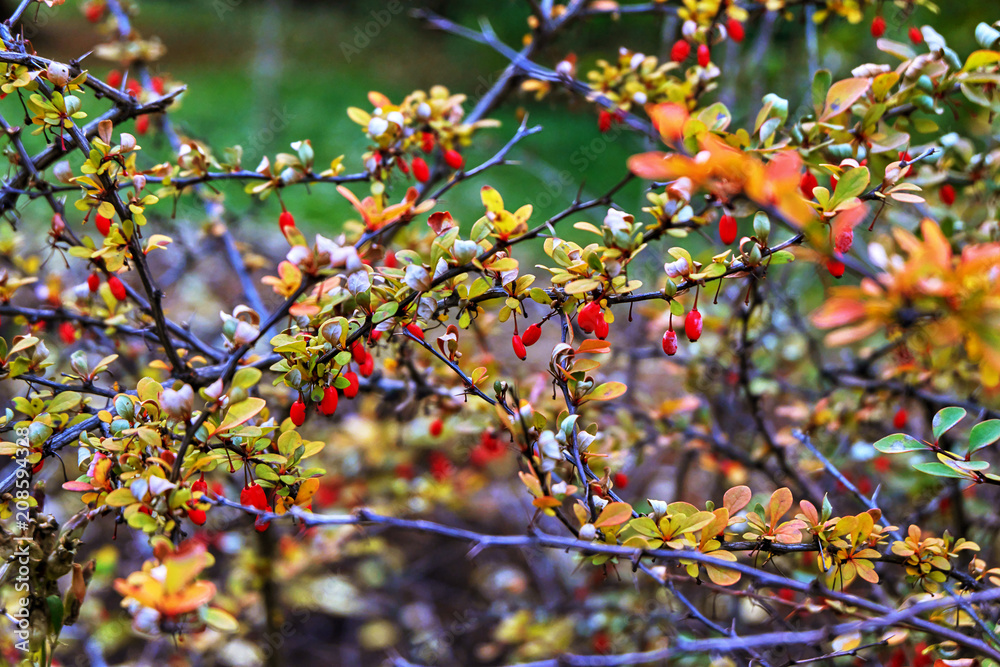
358, 352
808, 183
421, 171
916, 36
900, 418
415, 330
453, 158
115, 78
94, 11
427, 142
680, 50
947, 194
117, 288
704, 55
142, 124
103, 224
93, 282
134, 87
835, 267
878, 27
198, 517
437, 426
67, 332
844, 241
285, 220
735, 29
604, 120
620, 480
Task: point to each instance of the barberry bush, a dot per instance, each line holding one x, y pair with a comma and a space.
749, 419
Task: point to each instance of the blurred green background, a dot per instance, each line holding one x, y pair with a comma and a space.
252, 67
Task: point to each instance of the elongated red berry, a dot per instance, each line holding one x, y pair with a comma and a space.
437, 426
198, 517
727, 229
692, 325
453, 158
670, 342
351, 390
735, 29
415, 330
93, 282
518, 346
298, 413
421, 171
835, 267
367, 368
900, 418
142, 125
253, 496
704, 55
680, 50
604, 120
587, 316
329, 403
117, 288
601, 327
158, 85
916, 36
67, 332
947, 194
358, 352
115, 78
285, 220
103, 224
134, 87
531, 335
427, 142
878, 27
390, 262
807, 184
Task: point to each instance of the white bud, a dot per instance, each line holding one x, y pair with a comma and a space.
588, 532
639, 97
178, 403
377, 126
395, 117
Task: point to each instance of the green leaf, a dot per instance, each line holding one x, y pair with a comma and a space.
65, 401
939, 469
821, 84
55, 613
984, 435
243, 411
218, 619
899, 443
945, 420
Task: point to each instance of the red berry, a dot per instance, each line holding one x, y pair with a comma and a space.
285, 220
421, 171
727, 229
367, 368
115, 78
158, 85
680, 50
351, 390
601, 327
329, 403
94, 11
735, 29
427, 142
117, 288
198, 517
142, 124
587, 316
436, 427
604, 120
704, 55
200, 485
900, 418
404, 471
670, 342
916, 36
531, 335
518, 346
453, 158
375, 335
389, 262
835, 267
253, 496
103, 224
692, 325
93, 282
298, 413
620, 480
947, 194
808, 183
67, 332
415, 330
134, 87
878, 27
844, 241
441, 467
358, 352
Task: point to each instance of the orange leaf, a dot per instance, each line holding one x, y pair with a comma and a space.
614, 514
842, 95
